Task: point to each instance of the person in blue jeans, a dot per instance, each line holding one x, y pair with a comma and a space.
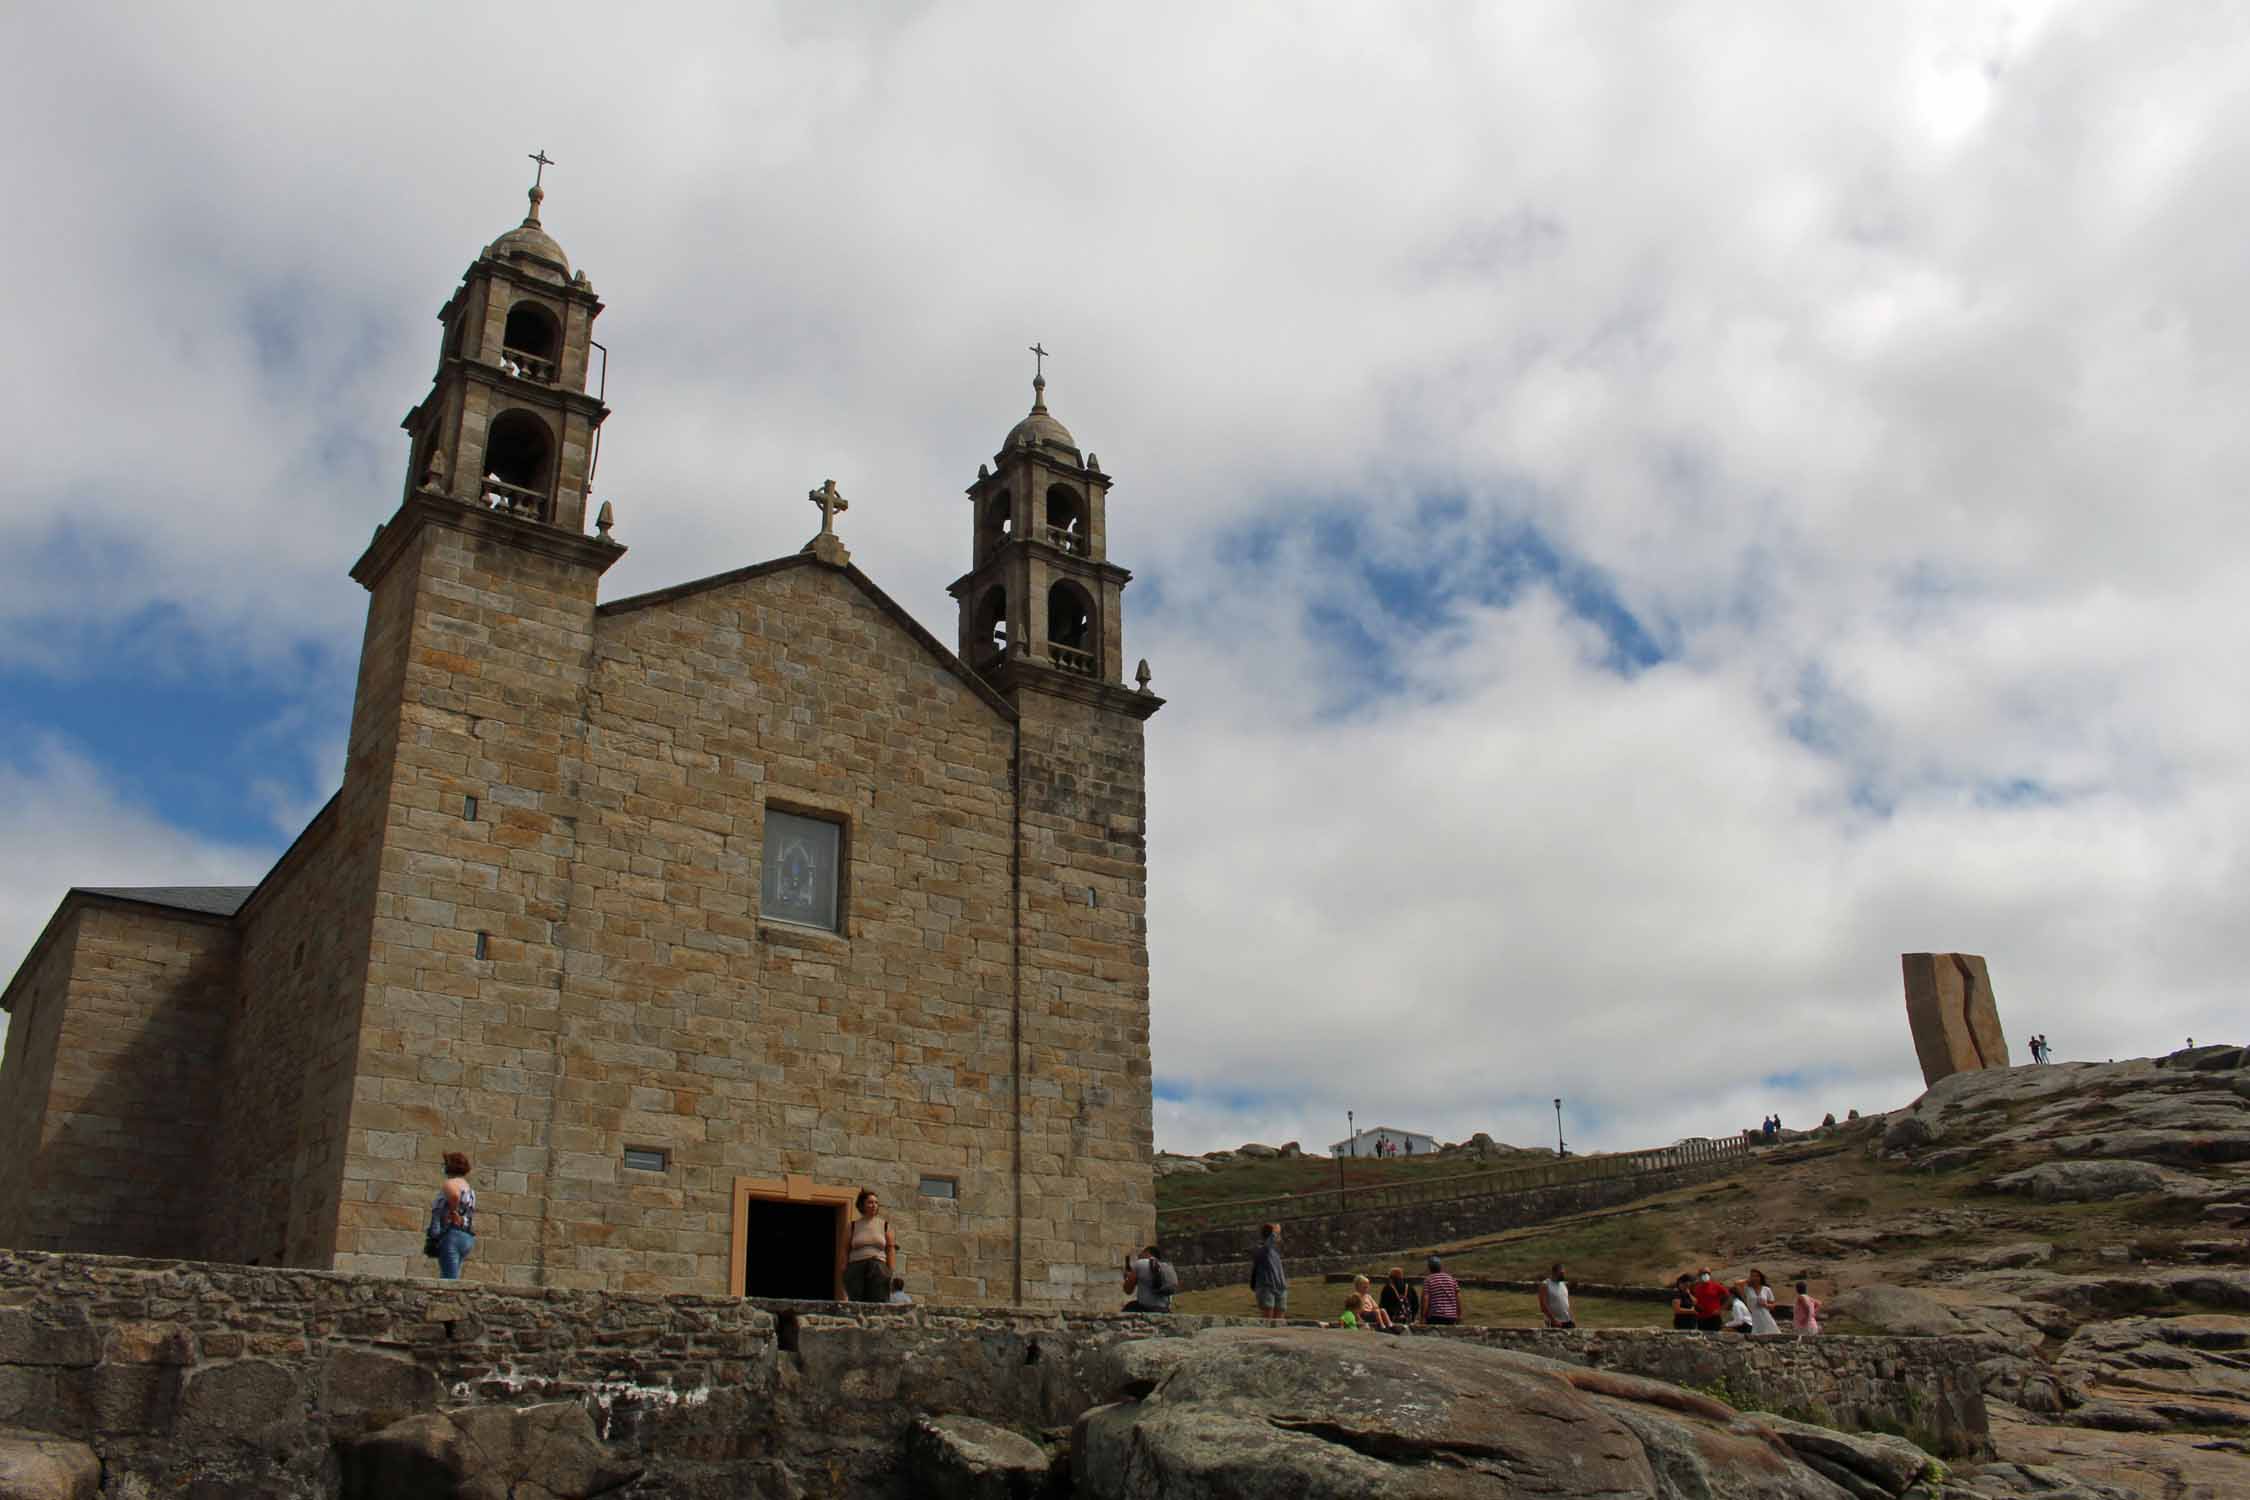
453, 1217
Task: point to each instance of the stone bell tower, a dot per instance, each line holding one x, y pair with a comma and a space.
1041, 620
1041, 596
508, 423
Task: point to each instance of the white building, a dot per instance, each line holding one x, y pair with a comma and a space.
1381, 1140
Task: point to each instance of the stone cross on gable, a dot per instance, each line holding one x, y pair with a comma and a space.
829, 502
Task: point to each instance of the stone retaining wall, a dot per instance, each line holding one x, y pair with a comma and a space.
1318, 1244
210, 1380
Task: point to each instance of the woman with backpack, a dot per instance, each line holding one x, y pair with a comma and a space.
452, 1231
1151, 1280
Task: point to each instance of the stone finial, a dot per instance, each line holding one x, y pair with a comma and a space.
984, 471
827, 546
1093, 461
830, 502
1143, 675
603, 520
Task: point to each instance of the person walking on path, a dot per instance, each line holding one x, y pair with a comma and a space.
1710, 1296
1554, 1299
453, 1217
1804, 1313
1441, 1296
1400, 1300
1757, 1294
1268, 1283
1151, 1281
872, 1261
1683, 1303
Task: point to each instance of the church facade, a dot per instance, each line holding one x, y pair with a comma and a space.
685, 915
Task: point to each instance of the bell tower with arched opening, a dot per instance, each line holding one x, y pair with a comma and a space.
508, 423
1041, 599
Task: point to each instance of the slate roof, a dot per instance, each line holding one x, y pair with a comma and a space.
211, 900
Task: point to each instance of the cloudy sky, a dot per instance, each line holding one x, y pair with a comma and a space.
1643, 514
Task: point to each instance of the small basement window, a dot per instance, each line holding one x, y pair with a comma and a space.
484, 945
647, 1159
940, 1187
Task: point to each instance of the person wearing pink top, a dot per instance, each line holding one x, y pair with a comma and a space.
1805, 1311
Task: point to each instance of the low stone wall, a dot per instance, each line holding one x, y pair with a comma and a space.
212, 1381
1352, 1241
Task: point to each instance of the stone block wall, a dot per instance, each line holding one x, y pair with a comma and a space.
38, 997
1088, 1134
279, 1140
119, 1066
487, 623
877, 1054
246, 1381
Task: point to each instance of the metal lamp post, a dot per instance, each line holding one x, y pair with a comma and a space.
1351, 1145
1560, 1152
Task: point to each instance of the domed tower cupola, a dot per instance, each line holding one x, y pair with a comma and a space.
1042, 604
508, 424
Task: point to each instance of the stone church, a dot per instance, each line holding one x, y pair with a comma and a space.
685, 914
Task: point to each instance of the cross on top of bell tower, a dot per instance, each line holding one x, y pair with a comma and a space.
538, 194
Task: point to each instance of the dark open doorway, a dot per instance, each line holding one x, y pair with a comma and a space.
791, 1249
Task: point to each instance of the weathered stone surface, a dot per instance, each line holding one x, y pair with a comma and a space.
354, 1381
486, 1453
30, 1336
2094, 1181
1254, 1412
1950, 1008
243, 1397
962, 1458
40, 1466
2141, 1466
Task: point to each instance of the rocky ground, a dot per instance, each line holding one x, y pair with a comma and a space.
2084, 1221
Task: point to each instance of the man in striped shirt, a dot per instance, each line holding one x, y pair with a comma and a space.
1441, 1295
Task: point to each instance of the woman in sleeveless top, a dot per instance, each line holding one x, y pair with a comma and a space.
453, 1217
872, 1254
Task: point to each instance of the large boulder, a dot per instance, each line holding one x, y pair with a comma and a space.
1256, 1152
961, 1458
1236, 1413
41, 1466
485, 1453
1950, 1009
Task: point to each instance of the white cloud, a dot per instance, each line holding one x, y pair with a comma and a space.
1886, 365
63, 823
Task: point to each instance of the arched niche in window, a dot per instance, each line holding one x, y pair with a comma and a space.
1070, 628
1066, 519
996, 524
991, 627
518, 463
532, 341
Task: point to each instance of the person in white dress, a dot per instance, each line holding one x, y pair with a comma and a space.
1758, 1294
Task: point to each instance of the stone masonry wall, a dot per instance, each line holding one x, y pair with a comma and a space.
38, 996
129, 1099
493, 663
1087, 1189
215, 1380
874, 1055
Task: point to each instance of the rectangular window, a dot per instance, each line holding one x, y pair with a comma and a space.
801, 876
646, 1159
469, 808
940, 1187
484, 945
